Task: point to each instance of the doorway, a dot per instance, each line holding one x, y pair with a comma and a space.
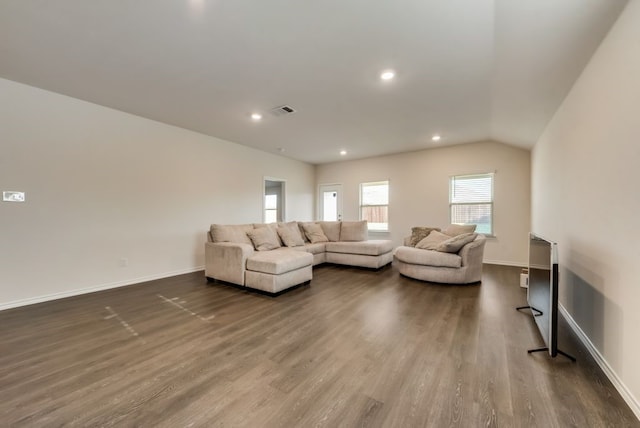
273, 201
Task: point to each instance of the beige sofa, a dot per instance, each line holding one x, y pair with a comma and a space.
247, 254
463, 266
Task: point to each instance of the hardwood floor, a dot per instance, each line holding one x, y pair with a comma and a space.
355, 348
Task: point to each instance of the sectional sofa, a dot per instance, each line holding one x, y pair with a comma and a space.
274, 257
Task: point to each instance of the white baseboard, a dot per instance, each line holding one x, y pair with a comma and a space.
606, 368
77, 292
503, 263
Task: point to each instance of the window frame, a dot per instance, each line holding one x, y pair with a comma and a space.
361, 205
490, 175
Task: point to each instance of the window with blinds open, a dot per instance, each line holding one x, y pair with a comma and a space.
471, 201
374, 205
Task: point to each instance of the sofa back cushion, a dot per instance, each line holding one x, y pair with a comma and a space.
353, 231
290, 234
331, 230
459, 229
314, 232
418, 233
231, 233
264, 239
432, 240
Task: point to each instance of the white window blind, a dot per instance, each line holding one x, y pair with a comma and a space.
471, 201
374, 205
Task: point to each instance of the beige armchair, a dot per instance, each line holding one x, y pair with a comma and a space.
464, 267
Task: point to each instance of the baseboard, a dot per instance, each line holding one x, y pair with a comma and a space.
77, 292
503, 263
628, 397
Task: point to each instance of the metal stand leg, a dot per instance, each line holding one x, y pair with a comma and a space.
539, 312
559, 352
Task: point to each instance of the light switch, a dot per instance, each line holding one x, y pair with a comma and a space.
11, 196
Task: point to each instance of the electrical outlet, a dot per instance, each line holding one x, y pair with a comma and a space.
123, 262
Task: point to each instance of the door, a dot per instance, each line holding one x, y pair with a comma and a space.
330, 202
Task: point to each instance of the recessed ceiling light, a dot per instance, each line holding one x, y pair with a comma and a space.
436, 137
343, 152
387, 75
256, 116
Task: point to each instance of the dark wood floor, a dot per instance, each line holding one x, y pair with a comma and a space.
355, 348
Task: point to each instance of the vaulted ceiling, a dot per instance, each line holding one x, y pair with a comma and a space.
467, 70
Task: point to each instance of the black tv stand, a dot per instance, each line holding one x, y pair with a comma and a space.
539, 312
546, 349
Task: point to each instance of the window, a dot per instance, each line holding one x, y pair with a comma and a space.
270, 208
471, 201
374, 205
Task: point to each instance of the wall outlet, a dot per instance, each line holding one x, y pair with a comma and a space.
524, 280
123, 262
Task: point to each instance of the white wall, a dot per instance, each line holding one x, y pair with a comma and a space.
585, 196
102, 185
419, 191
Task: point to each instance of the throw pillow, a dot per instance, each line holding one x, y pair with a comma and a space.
272, 226
264, 239
419, 233
314, 233
304, 235
331, 230
432, 241
231, 233
290, 234
459, 229
353, 231
454, 244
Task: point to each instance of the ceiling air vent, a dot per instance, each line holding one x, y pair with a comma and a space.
282, 110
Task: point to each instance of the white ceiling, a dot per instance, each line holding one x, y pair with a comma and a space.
470, 70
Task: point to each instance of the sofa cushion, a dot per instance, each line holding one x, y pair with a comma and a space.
331, 230
432, 241
459, 229
279, 261
314, 232
418, 233
367, 248
454, 244
316, 248
416, 256
231, 233
264, 239
290, 234
353, 231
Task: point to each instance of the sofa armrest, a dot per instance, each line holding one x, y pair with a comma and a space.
226, 261
473, 252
